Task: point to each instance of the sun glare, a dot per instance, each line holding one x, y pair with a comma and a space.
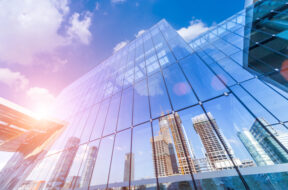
42, 111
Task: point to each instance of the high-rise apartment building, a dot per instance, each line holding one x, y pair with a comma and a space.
171, 125
210, 135
225, 79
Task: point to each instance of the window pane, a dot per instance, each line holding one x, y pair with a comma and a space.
89, 124
141, 103
144, 174
125, 114
158, 96
179, 90
269, 98
120, 166
89, 160
203, 81
99, 123
101, 168
111, 119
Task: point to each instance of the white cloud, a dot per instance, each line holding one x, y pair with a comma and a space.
140, 32
13, 79
195, 28
79, 29
41, 101
120, 45
117, 1
39, 94
31, 27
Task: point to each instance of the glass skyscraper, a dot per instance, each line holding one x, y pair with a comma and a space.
163, 113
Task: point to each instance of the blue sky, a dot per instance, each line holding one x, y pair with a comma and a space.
46, 45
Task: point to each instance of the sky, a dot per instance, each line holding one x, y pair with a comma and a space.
46, 45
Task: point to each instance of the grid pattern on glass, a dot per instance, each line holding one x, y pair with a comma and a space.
163, 113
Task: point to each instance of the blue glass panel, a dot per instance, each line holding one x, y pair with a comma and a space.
141, 111
158, 95
179, 90
203, 81
125, 113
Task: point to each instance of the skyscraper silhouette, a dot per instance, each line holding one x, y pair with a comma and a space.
89, 162
128, 157
64, 164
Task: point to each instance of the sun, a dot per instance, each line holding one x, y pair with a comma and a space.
42, 110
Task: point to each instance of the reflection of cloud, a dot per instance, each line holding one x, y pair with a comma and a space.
195, 28
155, 86
141, 90
140, 153
140, 32
120, 45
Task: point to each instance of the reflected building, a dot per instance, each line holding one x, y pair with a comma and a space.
32, 185
72, 182
272, 148
256, 151
63, 165
168, 144
202, 165
215, 151
88, 165
162, 157
247, 163
129, 157
174, 123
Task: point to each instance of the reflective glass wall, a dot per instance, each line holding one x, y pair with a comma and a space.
162, 113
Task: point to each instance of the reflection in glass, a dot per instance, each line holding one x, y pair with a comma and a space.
158, 95
179, 90
143, 157
120, 166
141, 111
101, 168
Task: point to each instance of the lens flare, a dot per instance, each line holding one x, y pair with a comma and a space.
217, 84
181, 88
284, 69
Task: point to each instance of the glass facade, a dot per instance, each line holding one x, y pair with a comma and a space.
163, 113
